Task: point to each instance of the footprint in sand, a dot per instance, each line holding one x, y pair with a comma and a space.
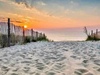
98, 70
14, 74
97, 62
5, 69
75, 57
15, 69
1, 59
88, 73
40, 66
85, 62
59, 67
37, 74
26, 69
50, 73
27, 61
80, 71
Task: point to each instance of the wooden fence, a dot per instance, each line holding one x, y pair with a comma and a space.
11, 34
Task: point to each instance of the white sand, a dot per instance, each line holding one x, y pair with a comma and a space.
51, 58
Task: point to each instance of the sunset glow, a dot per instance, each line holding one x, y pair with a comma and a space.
25, 26
51, 14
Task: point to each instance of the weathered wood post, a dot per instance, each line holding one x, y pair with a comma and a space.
23, 34
36, 36
44, 36
85, 30
8, 32
96, 31
31, 35
91, 32
40, 36
96, 35
14, 34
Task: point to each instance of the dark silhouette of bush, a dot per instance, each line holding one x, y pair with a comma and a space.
4, 40
17, 39
42, 38
89, 38
27, 39
12, 40
34, 40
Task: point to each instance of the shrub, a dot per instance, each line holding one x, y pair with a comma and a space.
27, 39
4, 40
89, 38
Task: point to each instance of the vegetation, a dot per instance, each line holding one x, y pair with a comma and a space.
3, 40
42, 38
89, 37
18, 39
28, 39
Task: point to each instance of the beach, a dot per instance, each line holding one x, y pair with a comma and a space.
51, 58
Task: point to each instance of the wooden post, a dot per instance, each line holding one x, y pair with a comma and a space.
40, 35
36, 35
23, 35
31, 35
85, 30
96, 31
8, 32
91, 32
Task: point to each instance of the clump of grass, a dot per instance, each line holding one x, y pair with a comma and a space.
17, 39
89, 38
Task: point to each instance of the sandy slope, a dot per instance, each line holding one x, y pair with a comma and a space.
51, 58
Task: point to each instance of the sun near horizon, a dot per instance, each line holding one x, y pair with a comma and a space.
51, 14
25, 26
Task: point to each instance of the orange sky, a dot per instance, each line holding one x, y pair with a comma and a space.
50, 14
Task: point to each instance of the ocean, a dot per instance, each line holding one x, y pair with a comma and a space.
67, 34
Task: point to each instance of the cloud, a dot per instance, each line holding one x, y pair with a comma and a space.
29, 3
17, 21
41, 3
3, 19
3, 0
74, 3
25, 2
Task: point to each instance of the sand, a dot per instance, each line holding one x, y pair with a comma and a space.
51, 58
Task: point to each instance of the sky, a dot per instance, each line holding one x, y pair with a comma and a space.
48, 15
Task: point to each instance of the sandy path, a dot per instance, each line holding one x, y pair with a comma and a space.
51, 58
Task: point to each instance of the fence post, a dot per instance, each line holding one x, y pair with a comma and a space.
31, 35
23, 35
96, 31
36, 36
8, 32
